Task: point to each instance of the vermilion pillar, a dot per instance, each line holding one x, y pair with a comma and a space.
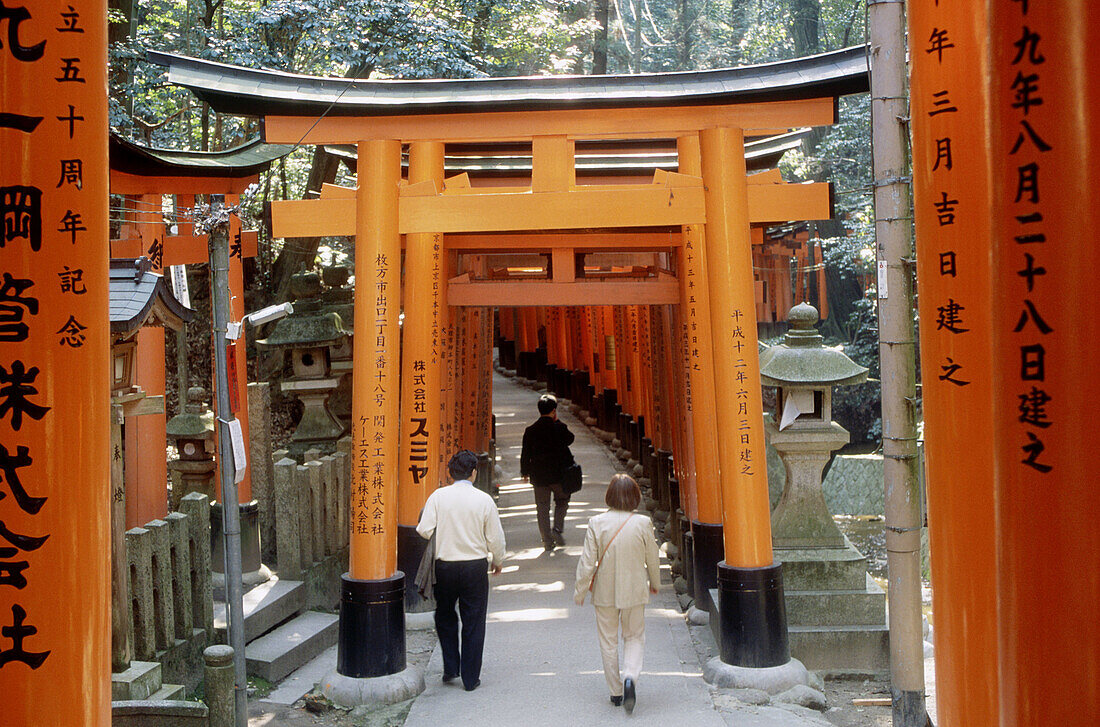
1044, 149
698, 348
237, 351
55, 358
146, 440
420, 373
754, 624
372, 614
950, 161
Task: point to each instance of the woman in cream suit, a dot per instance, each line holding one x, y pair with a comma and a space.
619, 565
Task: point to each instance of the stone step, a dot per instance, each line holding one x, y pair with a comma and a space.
278, 653
837, 650
138, 682
837, 608
302, 680
169, 691
265, 607
822, 569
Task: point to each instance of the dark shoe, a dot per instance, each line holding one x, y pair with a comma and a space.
549, 546
616, 701
448, 678
558, 539
628, 695
473, 686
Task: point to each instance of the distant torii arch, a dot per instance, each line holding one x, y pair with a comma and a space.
701, 215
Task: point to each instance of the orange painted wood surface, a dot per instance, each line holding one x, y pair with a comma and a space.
55, 365
776, 116
698, 350
375, 423
740, 421
950, 158
420, 361
1045, 160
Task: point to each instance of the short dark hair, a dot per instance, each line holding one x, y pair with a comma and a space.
623, 493
547, 403
462, 465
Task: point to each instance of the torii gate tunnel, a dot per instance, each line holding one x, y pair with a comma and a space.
698, 219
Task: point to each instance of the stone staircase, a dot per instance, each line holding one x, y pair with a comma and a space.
280, 634
143, 681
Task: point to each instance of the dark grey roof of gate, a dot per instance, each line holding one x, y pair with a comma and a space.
246, 160
248, 91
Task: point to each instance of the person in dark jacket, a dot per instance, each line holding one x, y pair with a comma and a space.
542, 461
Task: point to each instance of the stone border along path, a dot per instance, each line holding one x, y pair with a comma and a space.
542, 664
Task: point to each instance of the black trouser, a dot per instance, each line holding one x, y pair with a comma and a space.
542, 508
467, 582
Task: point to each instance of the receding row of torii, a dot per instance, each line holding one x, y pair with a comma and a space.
1005, 254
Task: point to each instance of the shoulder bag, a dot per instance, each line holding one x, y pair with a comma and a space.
609, 542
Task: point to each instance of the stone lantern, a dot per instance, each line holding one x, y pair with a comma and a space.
836, 613
309, 335
339, 298
193, 434
802, 429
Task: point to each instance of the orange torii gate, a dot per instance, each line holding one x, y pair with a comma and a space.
708, 206
144, 176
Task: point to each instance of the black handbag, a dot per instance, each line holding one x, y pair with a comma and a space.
571, 479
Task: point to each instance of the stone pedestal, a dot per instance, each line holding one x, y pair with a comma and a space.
836, 613
318, 428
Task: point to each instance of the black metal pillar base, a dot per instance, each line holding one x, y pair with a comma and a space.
687, 560
753, 616
484, 480
909, 708
708, 551
410, 550
371, 642
249, 513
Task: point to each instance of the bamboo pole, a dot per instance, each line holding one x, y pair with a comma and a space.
886, 28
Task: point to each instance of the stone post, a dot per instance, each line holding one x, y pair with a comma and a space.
197, 508
160, 563
288, 548
139, 544
180, 553
305, 515
261, 464
218, 685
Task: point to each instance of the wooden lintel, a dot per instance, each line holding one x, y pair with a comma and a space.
335, 191
624, 241
123, 183
641, 206
769, 176
535, 293
574, 123
629, 206
786, 202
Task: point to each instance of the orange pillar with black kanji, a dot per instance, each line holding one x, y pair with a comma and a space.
1044, 149
371, 641
950, 162
55, 365
749, 579
699, 388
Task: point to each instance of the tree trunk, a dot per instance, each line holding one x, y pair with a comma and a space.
599, 44
298, 252
805, 26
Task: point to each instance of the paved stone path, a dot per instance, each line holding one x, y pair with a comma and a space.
542, 665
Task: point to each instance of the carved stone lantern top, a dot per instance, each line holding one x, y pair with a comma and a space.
802, 361
196, 421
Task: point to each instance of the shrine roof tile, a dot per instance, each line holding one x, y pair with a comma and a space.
235, 89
